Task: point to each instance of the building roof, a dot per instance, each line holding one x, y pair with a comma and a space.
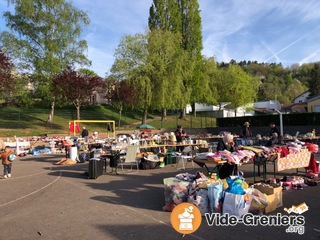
302, 94
313, 99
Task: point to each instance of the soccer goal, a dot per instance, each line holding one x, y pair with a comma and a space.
110, 126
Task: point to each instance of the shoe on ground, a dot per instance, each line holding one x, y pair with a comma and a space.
5, 176
9, 175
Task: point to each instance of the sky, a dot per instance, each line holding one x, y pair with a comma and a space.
270, 31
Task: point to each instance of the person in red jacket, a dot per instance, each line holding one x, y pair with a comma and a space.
6, 161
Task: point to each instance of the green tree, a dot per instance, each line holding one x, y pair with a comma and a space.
166, 60
88, 72
45, 40
237, 87
314, 82
132, 64
165, 15
208, 74
294, 89
183, 17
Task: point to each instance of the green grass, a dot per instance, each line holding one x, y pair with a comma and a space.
32, 122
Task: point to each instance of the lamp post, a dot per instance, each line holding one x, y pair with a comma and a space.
281, 123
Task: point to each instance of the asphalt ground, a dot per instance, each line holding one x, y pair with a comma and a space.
45, 201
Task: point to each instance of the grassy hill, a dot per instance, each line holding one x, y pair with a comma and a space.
32, 122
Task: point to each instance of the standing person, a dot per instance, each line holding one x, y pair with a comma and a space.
180, 135
6, 161
85, 134
246, 133
226, 143
274, 129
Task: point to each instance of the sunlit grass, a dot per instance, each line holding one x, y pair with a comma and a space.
33, 122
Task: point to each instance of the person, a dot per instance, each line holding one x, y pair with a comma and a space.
95, 135
67, 143
246, 133
144, 135
274, 129
7, 164
180, 135
85, 134
226, 143
273, 140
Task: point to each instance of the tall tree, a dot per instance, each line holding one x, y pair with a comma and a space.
183, 17
132, 64
165, 15
46, 40
166, 60
77, 88
6, 68
208, 71
314, 82
6, 76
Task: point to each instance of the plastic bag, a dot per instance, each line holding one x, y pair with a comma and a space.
176, 191
235, 185
200, 199
235, 204
215, 195
259, 201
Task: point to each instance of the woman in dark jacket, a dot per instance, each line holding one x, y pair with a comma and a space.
228, 144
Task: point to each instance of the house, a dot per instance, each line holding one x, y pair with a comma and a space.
294, 107
313, 104
309, 105
302, 97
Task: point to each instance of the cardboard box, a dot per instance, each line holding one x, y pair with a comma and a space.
278, 196
271, 204
274, 194
264, 188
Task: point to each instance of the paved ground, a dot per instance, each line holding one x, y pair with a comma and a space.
45, 201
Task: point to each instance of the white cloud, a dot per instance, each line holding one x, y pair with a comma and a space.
274, 30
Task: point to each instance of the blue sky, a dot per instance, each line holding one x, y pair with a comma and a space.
286, 31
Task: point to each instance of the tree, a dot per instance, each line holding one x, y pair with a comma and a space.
293, 90
209, 77
46, 40
120, 94
7, 84
237, 87
182, 17
132, 64
166, 60
77, 88
165, 15
314, 82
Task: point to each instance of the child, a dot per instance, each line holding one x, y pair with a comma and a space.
6, 162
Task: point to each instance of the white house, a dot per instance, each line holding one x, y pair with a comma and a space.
302, 97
